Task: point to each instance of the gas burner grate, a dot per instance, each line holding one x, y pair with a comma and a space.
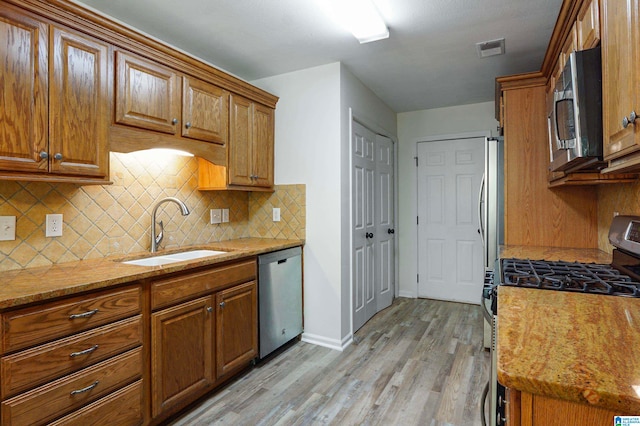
568, 276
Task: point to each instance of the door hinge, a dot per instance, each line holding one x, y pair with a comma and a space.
417, 220
416, 161
418, 277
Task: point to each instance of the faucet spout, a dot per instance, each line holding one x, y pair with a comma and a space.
156, 239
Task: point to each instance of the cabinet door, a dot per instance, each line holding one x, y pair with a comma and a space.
588, 25
620, 79
262, 146
181, 353
241, 132
147, 94
24, 100
205, 111
78, 139
236, 327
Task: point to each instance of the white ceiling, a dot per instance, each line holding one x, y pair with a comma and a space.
429, 60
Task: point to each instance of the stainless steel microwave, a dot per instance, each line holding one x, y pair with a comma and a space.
575, 120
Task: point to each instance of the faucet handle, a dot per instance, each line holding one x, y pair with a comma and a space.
160, 234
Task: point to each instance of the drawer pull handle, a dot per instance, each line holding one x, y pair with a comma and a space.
84, 314
84, 352
87, 389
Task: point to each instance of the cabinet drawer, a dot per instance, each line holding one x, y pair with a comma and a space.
41, 364
173, 290
31, 326
122, 408
54, 399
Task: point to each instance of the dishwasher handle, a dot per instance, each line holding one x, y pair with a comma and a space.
282, 261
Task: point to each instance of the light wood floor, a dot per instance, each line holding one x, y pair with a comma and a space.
419, 362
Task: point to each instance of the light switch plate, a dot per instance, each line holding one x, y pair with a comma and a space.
53, 225
215, 216
7, 228
225, 215
276, 214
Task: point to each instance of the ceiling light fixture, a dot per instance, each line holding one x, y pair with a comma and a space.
360, 17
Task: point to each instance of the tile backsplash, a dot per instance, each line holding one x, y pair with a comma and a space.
104, 220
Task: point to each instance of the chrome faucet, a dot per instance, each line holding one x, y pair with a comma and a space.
155, 240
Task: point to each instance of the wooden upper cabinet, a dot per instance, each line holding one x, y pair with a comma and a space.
620, 77
24, 103
205, 111
251, 144
588, 25
262, 147
241, 129
79, 99
147, 94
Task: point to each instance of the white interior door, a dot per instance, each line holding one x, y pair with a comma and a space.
364, 225
450, 253
385, 231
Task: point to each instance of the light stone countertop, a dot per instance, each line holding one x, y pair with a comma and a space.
578, 347
25, 286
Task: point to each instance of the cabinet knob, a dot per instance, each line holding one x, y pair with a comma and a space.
629, 120
57, 156
174, 121
391, 231
209, 309
222, 304
187, 124
44, 155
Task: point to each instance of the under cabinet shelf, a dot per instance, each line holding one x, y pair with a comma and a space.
591, 178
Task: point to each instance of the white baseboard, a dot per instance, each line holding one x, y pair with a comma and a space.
408, 294
338, 345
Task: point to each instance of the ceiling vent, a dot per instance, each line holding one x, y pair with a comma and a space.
490, 48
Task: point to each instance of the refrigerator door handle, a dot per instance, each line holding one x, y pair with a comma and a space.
480, 209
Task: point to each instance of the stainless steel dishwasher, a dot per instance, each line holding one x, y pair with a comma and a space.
279, 298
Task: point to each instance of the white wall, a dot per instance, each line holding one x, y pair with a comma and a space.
312, 147
413, 127
307, 150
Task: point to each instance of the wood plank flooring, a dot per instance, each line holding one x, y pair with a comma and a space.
418, 362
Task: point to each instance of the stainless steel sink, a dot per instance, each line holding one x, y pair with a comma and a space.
174, 257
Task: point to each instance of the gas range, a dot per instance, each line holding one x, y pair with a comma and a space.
568, 276
620, 278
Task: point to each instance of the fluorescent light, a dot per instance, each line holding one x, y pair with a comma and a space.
360, 17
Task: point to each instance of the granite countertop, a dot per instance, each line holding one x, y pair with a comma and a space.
578, 347
572, 346
555, 253
25, 286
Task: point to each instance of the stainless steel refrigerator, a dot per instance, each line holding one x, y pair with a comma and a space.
491, 201
491, 212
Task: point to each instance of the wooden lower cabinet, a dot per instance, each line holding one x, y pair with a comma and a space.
208, 334
525, 409
236, 327
181, 353
122, 408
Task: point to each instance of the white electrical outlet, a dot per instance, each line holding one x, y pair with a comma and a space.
7, 228
276, 214
53, 225
225, 215
215, 215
